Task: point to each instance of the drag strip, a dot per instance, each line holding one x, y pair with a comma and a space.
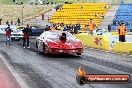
7, 80
59, 71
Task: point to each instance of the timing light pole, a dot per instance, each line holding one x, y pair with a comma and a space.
22, 14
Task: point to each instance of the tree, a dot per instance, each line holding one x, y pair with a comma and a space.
14, 0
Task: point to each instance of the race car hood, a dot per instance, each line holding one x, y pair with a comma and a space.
70, 43
17, 33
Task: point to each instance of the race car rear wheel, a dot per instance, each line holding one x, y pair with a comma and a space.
44, 48
36, 45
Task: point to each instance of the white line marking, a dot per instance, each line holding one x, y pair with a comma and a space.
130, 55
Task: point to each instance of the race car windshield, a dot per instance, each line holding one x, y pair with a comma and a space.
68, 35
55, 35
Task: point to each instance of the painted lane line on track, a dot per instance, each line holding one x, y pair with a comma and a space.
14, 73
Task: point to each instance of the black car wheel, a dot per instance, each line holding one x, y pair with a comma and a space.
44, 47
36, 45
78, 53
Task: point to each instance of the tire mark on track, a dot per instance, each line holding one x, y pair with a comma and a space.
96, 61
75, 65
61, 81
33, 79
55, 67
108, 64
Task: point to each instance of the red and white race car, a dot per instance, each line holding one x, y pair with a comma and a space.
56, 42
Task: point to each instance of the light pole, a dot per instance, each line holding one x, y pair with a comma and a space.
22, 14
36, 2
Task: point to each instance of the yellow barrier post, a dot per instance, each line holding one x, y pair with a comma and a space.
122, 47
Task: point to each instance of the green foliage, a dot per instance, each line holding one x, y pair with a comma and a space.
10, 2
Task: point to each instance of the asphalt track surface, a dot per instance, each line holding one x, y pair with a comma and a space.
6, 78
36, 70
